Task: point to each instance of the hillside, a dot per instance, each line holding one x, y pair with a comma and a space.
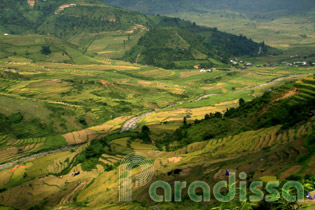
254, 7
280, 24
275, 152
83, 22
99, 101
66, 18
274, 108
185, 47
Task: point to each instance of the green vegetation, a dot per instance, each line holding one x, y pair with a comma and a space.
21, 128
45, 50
64, 100
83, 23
164, 46
256, 8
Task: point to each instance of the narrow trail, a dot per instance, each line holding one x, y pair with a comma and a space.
132, 123
11, 163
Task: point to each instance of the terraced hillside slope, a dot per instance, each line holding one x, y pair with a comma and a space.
272, 152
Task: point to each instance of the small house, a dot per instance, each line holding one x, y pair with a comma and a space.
301, 63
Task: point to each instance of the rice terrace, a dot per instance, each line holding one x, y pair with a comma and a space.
101, 100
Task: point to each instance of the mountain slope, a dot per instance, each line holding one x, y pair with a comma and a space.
253, 6
60, 19
178, 40
167, 47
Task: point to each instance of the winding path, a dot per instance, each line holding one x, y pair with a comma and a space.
8, 164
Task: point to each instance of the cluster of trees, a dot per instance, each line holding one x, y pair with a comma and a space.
45, 50
89, 158
16, 125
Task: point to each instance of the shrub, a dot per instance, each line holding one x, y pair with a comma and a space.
45, 50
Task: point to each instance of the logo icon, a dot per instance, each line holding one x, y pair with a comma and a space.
132, 163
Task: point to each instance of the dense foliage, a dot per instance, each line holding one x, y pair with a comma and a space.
163, 46
15, 124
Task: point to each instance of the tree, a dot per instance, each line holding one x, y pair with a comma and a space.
185, 121
45, 50
241, 102
218, 115
145, 134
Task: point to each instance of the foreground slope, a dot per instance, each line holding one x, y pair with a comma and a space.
272, 152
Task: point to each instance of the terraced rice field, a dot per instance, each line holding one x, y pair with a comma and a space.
110, 159
306, 88
250, 141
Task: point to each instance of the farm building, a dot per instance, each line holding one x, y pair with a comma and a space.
300, 63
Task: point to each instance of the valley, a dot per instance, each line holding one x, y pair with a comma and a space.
200, 93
